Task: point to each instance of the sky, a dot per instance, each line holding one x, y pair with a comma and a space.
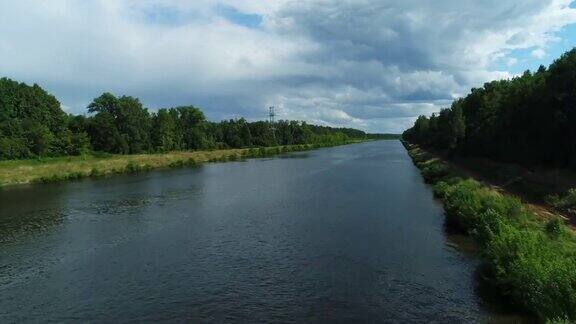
369, 64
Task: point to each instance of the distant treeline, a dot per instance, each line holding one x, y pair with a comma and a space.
385, 136
530, 119
32, 124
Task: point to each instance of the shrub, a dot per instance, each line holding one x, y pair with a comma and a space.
132, 167
440, 189
535, 265
433, 171
555, 228
252, 152
565, 203
534, 270
96, 173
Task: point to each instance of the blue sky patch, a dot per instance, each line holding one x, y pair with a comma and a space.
239, 18
169, 15
527, 61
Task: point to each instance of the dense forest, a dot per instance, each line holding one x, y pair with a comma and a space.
529, 119
32, 124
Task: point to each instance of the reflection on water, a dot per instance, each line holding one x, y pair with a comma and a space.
458, 239
21, 215
347, 234
298, 155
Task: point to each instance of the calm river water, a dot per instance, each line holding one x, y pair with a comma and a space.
340, 235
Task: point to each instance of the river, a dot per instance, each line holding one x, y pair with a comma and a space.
340, 235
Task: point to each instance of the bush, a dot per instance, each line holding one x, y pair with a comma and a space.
96, 173
132, 167
61, 177
565, 203
440, 189
535, 265
535, 271
433, 170
252, 152
15, 148
530, 267
555, 228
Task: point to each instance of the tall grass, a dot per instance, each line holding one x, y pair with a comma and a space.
530, 260
99, 165
565, 203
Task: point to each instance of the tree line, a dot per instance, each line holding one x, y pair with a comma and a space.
32, 124
529, 119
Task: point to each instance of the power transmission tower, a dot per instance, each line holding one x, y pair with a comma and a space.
272, 116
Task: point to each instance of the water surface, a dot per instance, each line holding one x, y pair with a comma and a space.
346, 234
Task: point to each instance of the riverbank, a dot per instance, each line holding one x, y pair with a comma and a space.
547, 191
530, 259
17, 172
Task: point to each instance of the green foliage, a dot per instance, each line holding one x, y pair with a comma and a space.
434, 171
96, 173
14, 148
184, 163
566, 202
555, 228
528, 119
532, 269
440, 189
165, 136
532, 264
62, 177
537, 271
31, 122
120, 125
32, 125
80, 144
133, 167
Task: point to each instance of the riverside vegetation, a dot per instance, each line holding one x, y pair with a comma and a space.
529, 259
98, 165
41, 143
530, 121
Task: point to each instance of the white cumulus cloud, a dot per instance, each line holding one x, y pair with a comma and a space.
372, 64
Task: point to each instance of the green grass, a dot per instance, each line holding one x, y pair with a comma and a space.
532, 261
47, 170
565, 203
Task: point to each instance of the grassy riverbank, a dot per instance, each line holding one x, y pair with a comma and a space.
530, 259
94, 166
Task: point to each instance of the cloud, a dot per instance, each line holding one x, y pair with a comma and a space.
372, 64
538, 53
511, 61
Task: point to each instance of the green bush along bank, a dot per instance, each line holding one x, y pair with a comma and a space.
530, 260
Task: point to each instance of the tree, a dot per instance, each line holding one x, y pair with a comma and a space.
32, 124
133, 122
458, 127
125, 124
104, 134
193, 125
528, 119
164, 131
107, 102
31, 121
